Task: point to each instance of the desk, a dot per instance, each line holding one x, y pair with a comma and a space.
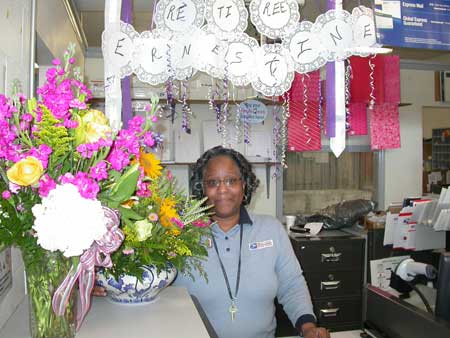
106, 319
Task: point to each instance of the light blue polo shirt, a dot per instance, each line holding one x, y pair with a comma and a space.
269, 269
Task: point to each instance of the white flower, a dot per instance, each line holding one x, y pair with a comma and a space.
68, 222
143, 229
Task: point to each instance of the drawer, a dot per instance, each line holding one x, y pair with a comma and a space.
334, 283
330, 255
330, 313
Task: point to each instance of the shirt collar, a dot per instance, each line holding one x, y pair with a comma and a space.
244, 217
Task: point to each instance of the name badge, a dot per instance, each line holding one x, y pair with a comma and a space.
260, 245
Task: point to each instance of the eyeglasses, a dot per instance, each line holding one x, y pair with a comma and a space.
215, 183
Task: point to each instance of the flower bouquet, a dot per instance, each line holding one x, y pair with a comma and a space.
62, 172
164, 233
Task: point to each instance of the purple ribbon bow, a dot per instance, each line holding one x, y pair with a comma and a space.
97, 255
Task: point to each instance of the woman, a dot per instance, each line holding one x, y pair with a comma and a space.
250, 259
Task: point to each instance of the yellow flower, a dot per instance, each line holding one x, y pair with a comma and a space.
151, 164
92, 126
26, 172
167, 211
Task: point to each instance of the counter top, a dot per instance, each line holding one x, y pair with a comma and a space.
107, 319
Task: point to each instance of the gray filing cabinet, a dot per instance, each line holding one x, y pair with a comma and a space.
333, 265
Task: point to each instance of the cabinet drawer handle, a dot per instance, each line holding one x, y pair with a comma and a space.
332, 285
329, 312
331, 257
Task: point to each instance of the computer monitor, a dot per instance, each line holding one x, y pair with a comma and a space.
443, 288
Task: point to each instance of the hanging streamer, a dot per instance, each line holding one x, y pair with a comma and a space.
127, 113
186, 110
169, 86
372, 98
305, 108
225, 108
284, 136
348, 77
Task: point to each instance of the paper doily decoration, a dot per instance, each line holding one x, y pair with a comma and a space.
240, 59
305, 48
274, 70
364, 32
183, 55
274, 18
226, 16
118, 46
335, 32
210, 52
151, 57
179, 15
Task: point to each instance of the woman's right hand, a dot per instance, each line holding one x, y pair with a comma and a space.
99, 291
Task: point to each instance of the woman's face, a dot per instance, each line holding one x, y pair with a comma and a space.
224, 187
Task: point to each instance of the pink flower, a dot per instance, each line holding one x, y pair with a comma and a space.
149, 141
199, 223
178, 222
99, 171
169, 175
153, 217
46, 184
154, 118
6, 194
56, 62
72, 61
128, 251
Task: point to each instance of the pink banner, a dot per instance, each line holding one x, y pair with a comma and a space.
384, 127
304, 127
357, 119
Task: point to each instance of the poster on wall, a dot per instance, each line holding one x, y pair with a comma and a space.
413, 23
5, 272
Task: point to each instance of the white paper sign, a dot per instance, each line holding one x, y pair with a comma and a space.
179, 15
117, 48
364, 33
274, 18
226, 16
183, 55
210, 57
305, 48
336, 35
151, 58
274, 72
240, 59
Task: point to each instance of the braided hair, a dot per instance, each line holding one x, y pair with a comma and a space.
245, 168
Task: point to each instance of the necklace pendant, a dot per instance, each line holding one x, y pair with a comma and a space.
233, 310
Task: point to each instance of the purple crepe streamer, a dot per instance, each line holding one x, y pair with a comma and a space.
331, 100
127, 112
330, 89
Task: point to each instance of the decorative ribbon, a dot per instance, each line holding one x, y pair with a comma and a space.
97, 255
186, 110
284, 136
225, 108
348, 77
237, 121
169, 86
127, 113
372, 82
305, 108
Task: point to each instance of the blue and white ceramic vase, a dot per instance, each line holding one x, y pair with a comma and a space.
130, 290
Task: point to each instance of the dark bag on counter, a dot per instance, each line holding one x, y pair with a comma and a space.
342, 215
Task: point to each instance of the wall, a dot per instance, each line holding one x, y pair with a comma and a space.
55, 31
15, 36
403, 167
435, 118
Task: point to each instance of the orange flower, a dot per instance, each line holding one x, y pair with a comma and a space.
167, 211
151, 164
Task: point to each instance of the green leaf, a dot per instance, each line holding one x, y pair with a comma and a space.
130, 214
126, 185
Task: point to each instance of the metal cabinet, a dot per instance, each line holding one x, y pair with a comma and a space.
333, 265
